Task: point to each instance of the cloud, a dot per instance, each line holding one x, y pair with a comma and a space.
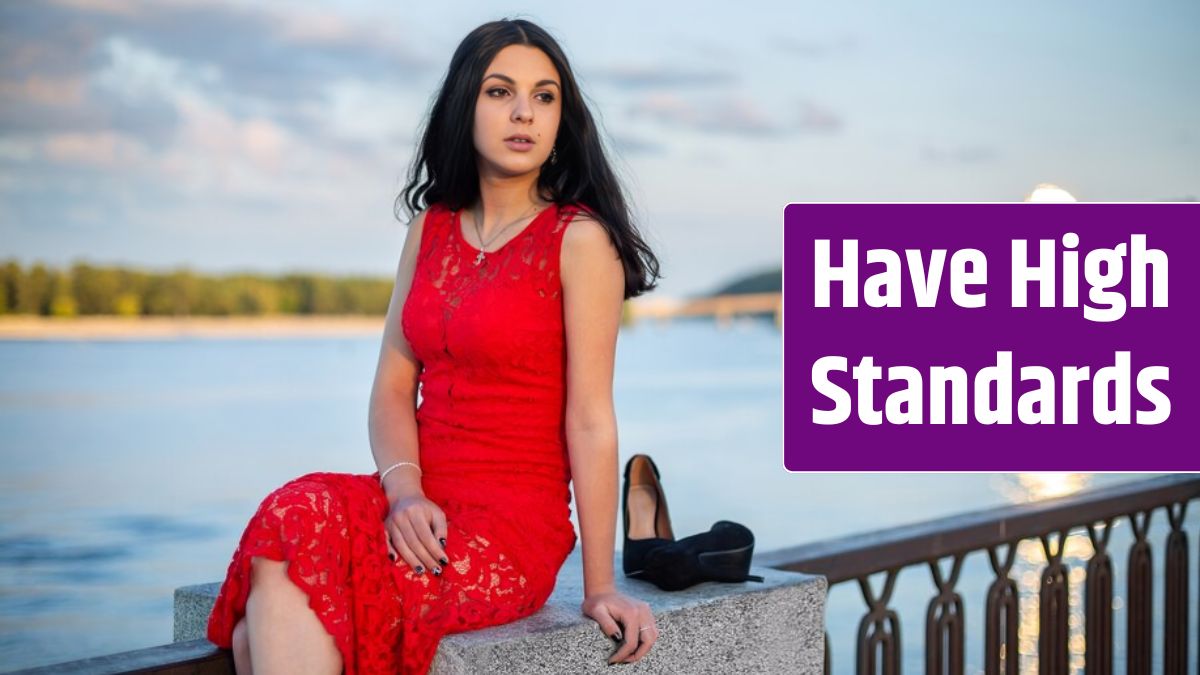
136, 121
643, 77
369, 112
117, 7
735, 115
137, 74
16, 150
816, 118
632, 145
280, 57
71, 105
44, 39
967, 154
52, 92
88, 81
814, 48
728, 115
106, 149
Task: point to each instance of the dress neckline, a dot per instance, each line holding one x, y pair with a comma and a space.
457, 225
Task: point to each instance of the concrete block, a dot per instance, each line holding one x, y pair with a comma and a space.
772, 627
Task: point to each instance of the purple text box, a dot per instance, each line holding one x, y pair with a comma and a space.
949, 335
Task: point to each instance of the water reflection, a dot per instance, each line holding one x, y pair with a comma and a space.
1031, 561
1021, 488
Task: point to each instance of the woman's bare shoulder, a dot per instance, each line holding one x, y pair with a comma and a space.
412, 240
418, 219
586, 235
588, 257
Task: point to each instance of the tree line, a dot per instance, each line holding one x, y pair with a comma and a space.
85, 290
766, 281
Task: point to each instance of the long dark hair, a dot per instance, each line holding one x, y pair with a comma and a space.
444, 169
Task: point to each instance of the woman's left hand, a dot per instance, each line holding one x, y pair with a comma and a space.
624, 619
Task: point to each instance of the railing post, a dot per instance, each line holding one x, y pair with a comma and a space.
1175, 625
1001, 616
944, 623
879, 630
1053, 610
1141, 597
1098, 634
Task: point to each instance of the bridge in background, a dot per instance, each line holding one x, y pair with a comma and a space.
723, 308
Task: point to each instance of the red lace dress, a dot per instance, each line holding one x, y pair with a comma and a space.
493, 452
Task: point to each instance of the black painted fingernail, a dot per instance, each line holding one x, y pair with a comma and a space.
443, 541
420, 569
443, 560
616, 636
392, 557
437, 571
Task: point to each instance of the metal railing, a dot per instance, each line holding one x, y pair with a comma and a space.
858, 557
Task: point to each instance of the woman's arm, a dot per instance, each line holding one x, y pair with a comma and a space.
593, 281
392, 422
416, 527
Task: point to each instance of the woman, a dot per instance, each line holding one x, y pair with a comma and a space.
504, 316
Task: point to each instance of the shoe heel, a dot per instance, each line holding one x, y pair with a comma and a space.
728, 565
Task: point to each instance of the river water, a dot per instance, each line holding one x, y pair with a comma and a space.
130, 468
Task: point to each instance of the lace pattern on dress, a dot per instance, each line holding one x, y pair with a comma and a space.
384, 618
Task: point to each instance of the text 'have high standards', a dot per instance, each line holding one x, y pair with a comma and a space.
883, 277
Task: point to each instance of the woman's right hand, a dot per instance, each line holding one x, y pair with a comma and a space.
416, 533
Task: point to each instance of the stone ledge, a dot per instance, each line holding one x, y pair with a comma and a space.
772, 627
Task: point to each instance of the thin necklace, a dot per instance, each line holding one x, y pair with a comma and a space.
479, 258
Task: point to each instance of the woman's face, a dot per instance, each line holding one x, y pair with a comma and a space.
517, 112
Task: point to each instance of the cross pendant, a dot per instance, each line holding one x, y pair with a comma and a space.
479, 259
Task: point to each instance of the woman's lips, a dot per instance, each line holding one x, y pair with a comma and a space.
518, 145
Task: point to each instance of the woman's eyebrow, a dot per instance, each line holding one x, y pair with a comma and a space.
502, 76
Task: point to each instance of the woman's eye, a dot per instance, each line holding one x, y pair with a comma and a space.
496, 92
546, 97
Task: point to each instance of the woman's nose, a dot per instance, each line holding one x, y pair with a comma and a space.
522, 111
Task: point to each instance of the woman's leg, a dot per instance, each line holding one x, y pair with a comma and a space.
241, 649
284, 634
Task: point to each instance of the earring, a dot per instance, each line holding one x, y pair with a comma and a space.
553, 154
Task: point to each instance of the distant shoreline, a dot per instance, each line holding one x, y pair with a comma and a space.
20, 327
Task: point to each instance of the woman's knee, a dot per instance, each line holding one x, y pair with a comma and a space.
271, 587
262, 566
265, 572
318, 493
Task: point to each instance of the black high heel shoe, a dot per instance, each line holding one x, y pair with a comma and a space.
647, 521
651, 552
722, 554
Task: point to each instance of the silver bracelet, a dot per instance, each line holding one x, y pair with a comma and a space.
397, 465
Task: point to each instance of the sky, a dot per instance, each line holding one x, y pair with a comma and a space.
274, 136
